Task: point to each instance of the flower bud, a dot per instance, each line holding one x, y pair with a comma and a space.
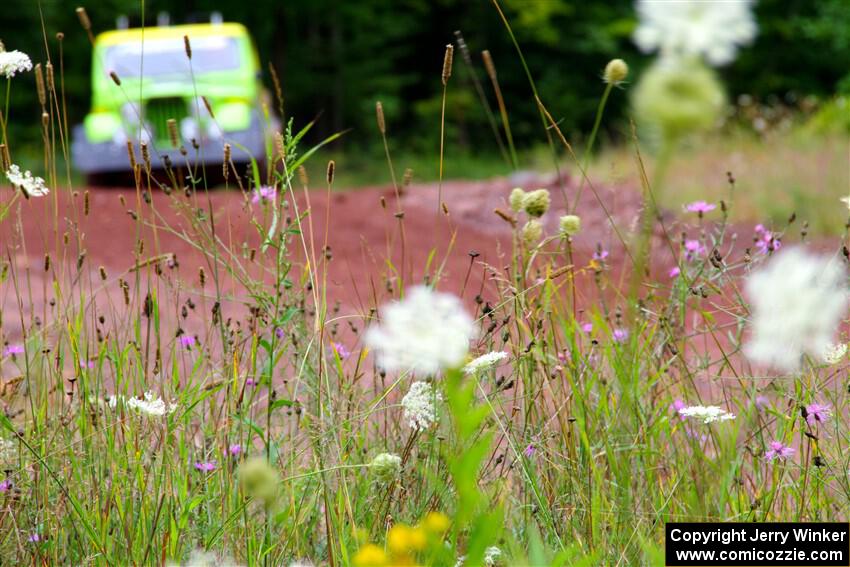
679, 98
517, 199
537, 203
386, 466
616, 72
570, 225
259, 480
532, 232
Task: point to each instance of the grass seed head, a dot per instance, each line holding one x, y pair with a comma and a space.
39, 85
379, 113
173, 135
84, 18
447, 63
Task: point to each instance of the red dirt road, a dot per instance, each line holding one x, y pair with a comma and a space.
363, 234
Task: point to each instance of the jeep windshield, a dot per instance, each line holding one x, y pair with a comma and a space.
164, 57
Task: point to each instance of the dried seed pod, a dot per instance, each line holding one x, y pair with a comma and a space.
114, 76
187, 46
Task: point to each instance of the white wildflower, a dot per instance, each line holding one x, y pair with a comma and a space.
492, 556
33, 186
419, 405
150, 405
425, 332
12, 62
202, 558
7, 450
301, 563
713, 29
485, 362
707, 414
798, 300
833, 354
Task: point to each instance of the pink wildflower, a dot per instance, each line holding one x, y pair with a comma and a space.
700, 207
817, 413
207, 466
264, 194
778, 451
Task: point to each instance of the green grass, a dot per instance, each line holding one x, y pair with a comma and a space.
782, 173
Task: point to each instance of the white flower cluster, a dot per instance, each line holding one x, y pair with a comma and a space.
150, 405
485, 362
419, 405
492, 557
707, 414
12, 62
713, 29
833, 354
425, 332
33, 186
203, 558
798, 300
7, 450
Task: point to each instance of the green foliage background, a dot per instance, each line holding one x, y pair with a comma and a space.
338, 57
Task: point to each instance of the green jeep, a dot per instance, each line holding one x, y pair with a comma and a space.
159, 82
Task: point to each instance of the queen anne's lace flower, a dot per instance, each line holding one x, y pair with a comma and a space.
425, 332
7, 450
833, 354
713, 29
150, 405
12, 62
485, 362
797, 301
419, 405
707, 414
492, 556
33, 186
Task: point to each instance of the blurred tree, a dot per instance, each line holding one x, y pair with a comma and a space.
337, 58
